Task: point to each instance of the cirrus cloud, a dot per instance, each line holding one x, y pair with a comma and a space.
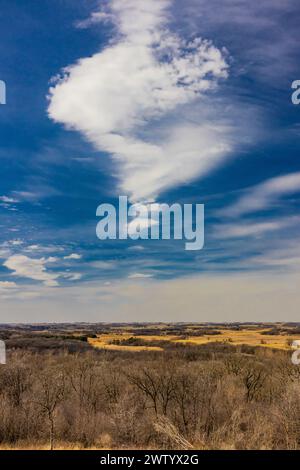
264, 195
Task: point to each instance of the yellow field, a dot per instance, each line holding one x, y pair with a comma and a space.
247, 337
251, 337
104, 341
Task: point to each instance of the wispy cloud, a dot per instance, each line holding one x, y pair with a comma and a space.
283, 258
8, 203
7, 285
95, 18
139, 276
73, 276
130, 100
264, 195
254, 228
8, 200
73, 256
266, 32
7, 289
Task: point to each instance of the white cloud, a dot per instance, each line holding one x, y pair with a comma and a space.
96, 17
8, 200
7, 247
254, 228
33, 248
41, 190
25, 195
139, 276
7, 285
8, 203
13, 242
24, 266
12, 291
7, 289
136, 248
276, 257
73, 256
73, 276
43, 249
264, 195
129, 100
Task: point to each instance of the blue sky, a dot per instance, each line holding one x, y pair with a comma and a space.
185, 102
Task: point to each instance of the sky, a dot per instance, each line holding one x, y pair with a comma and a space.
165, 101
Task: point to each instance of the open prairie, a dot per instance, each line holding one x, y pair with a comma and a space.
279, 338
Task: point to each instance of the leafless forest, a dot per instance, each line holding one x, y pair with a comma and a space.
214, 396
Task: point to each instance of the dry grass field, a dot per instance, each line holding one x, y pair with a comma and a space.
256, 337
106, 342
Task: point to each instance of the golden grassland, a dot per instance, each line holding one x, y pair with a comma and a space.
246, 337
105, 342
250, 337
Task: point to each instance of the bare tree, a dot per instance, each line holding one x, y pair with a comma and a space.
157, 385
52, 386
254, 380
17, 380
